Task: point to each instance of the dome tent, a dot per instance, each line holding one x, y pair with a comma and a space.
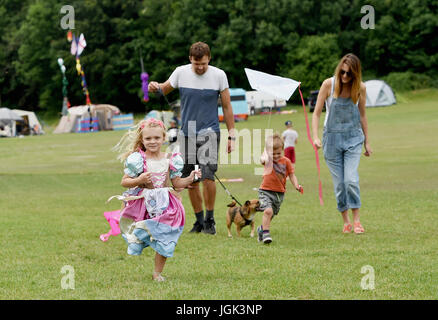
379, 94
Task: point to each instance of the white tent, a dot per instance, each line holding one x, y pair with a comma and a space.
71, 122
379, 94
34, 124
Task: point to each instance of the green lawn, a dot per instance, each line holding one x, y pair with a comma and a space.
54, 188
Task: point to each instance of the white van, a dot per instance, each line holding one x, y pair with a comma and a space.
259, 101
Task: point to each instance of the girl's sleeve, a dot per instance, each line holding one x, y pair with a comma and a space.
134, 165
176, 166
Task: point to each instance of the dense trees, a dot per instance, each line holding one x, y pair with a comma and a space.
302, 39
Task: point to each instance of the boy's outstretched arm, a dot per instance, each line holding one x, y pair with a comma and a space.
294, 181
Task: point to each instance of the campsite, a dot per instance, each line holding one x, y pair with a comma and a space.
85, 86
66, 188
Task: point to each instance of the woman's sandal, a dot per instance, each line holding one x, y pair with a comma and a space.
358, 228
347, 228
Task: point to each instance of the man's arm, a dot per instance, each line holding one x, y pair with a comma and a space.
229, 117
165, 87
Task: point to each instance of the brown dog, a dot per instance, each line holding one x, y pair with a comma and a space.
242, 216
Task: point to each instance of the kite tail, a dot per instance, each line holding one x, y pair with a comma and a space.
321, 201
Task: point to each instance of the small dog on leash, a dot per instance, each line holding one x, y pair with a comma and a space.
242, 216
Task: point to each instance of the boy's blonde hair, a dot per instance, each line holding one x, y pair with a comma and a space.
275, 141
132, 140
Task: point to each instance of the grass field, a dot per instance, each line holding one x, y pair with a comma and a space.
54, 188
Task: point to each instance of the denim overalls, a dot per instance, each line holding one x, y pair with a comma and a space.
342, 146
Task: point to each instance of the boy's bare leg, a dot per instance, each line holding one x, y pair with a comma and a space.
267, 217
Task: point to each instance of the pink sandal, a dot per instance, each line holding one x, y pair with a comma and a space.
347, 228
358, 228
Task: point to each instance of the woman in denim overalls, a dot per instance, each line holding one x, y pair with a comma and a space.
345, 130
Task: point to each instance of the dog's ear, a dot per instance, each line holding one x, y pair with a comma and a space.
232, 204
247, 203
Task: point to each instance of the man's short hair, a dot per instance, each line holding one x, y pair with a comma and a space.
198, 50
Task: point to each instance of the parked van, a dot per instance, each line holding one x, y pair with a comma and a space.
259, 101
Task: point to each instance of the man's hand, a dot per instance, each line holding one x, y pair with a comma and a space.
231, 145
153, 86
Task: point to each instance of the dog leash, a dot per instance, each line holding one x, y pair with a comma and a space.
226, 190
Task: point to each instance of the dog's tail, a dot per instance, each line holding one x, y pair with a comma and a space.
232, 204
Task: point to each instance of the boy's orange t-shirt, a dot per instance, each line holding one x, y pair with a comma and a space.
275, 179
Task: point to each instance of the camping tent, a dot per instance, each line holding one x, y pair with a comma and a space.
379, 94
8, 120
31, 119
76, 115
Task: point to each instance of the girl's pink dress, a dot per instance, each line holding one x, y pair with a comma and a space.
138, 228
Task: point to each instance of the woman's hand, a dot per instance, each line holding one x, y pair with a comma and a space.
368, 150
317, 143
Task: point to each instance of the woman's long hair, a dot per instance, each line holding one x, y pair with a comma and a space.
356, 76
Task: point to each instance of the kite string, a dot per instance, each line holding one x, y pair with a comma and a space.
321, 201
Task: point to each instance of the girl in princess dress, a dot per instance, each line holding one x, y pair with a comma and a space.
153, 214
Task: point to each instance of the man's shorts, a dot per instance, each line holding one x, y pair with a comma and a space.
270, 199
203, 151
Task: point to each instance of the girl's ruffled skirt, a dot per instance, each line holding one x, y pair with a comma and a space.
161, 233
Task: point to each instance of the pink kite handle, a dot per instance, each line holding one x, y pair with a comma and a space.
104, 237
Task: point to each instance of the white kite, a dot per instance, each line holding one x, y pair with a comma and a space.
280, 87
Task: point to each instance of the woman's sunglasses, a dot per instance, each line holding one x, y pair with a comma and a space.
346, 72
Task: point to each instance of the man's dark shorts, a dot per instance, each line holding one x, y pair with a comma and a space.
202, 150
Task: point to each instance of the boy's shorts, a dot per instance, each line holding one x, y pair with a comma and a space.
203, 151
270, 199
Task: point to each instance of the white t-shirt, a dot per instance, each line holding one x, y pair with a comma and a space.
289, 136
199, 96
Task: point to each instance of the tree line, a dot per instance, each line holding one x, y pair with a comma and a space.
301, 39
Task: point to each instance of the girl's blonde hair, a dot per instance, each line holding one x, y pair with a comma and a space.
275, 141
353, 62
132, 140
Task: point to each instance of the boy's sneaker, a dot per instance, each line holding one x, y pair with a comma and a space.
209, 226
259, 233
197, 227
267, 238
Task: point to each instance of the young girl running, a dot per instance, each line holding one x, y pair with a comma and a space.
153, 214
